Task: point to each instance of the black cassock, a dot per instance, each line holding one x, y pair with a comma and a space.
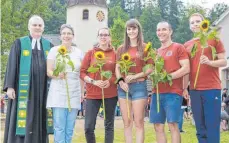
36, 105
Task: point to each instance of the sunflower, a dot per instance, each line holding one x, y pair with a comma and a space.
62, 50
99, 55
126, 57
25, 52
204, 25
148, 46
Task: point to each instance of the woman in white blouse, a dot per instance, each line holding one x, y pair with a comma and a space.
63, 120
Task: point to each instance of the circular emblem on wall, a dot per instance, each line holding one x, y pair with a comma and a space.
100, 16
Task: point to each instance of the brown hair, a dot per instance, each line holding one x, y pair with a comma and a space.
132, 23
197, 14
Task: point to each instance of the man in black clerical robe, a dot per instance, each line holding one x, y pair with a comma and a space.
35, 127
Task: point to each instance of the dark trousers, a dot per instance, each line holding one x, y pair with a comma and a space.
92, 108
206, 108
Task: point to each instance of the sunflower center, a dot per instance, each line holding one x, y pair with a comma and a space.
126, 58
205, 25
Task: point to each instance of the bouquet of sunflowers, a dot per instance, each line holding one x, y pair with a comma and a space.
98, 66
204, 35
62, 60
158, 74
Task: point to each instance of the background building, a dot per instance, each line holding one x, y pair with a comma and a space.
223, 24
87, 17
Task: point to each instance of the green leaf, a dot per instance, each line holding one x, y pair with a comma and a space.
60, 67
197, 35
194, 50
92, 69
169, 78
146, 67
106, 74
213, 34
213, 52
203, 41
146, 58
71, 64
159, 66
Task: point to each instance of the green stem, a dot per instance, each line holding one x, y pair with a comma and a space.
103, 100
127, 104
68, 98
158, 101
127, 100
198, 70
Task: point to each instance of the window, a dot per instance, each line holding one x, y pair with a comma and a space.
85, 14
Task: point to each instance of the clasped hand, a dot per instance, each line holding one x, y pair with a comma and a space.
102, 84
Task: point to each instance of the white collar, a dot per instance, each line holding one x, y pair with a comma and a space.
38, 43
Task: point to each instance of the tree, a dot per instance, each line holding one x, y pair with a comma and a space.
14, 22
216, 11
56, 17
150, 17
117, 32
116, 12
183, 32
114, 3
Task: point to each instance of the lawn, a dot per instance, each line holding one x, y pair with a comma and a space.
187, 137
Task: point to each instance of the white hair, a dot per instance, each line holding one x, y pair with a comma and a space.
35, 17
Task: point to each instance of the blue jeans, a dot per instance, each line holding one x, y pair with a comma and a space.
180, 123
64, 123
137, 90
170, 105
206, 107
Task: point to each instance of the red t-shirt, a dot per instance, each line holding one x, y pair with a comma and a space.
92, 91
140, 63
208, 76
172, 55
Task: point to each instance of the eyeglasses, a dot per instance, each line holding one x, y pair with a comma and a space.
68, 33
104, 35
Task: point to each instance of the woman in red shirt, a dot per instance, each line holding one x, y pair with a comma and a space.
134, 84
94, 85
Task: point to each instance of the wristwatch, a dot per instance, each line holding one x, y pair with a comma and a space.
92, 81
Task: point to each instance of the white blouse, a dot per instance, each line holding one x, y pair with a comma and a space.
57, 94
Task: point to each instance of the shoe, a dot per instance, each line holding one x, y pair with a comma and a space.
182, 131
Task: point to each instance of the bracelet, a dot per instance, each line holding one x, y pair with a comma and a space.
120, 79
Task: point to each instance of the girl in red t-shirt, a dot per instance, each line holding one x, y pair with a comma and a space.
134, 84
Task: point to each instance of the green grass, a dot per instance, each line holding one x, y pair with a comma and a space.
150, 137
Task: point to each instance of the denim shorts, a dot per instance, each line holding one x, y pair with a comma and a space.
137, 90
170, 107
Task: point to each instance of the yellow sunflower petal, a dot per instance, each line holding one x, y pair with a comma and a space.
148, 46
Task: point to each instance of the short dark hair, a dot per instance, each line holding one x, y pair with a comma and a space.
170, 26
67, 26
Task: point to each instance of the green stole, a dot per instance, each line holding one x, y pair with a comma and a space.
24, 84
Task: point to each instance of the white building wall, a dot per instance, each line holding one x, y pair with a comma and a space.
86, 30
224, 36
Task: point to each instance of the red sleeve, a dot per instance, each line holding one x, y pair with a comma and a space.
219, 47
182, 53
85, 64
113, 78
